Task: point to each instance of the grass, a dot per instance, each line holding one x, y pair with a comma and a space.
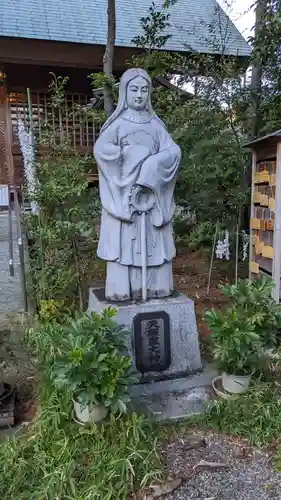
57, 459
255, 415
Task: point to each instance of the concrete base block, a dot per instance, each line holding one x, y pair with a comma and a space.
183, 337
174, 400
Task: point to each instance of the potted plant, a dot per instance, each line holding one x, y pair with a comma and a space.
91, 364
253, 298
236, 347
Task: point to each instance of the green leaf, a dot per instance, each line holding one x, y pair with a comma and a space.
121, 406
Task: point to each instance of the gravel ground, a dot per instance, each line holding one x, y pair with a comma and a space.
245, 473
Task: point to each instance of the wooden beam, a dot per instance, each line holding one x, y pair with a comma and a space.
62, 54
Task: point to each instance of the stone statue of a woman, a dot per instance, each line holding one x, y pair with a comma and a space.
137, 159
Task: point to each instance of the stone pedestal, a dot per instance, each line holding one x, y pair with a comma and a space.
164, 340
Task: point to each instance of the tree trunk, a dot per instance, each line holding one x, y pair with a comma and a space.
108, 57
256, 79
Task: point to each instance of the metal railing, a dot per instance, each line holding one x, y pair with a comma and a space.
12, 190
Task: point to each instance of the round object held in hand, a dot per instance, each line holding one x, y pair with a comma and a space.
142, 198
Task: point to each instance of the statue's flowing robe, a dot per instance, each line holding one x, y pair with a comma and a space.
150, 159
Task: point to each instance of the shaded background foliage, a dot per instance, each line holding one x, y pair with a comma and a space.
210, 126
267, 53
63, 236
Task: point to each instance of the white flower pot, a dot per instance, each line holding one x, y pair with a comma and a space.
87, 414
235, 384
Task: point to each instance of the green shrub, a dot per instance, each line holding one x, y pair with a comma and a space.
49, 310
200, 237
241, 334
236, 347
90, 363
253, 298
86, 356
62, 236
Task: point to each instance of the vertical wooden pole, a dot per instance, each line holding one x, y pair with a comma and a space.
6, 156
257, 70
30, 116
237, 249
212, 258
4, 170
276, 267
109, 56
251, 253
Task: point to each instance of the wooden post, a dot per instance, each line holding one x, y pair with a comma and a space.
109, 55
276, 267
6, 157
254, 158
4, 172
257, 69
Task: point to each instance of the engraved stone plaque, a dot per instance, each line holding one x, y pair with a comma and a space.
152, 341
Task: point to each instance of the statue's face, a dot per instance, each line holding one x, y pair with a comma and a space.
137, 93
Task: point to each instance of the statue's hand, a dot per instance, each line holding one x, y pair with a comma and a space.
142, 198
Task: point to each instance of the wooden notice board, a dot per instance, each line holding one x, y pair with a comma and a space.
265, 223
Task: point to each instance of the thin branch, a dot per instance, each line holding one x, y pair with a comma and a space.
212, 260
78, 274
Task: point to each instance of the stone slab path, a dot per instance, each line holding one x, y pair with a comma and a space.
11, 295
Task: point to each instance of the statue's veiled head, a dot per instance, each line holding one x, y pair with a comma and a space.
135, 90
137, 93
134, 93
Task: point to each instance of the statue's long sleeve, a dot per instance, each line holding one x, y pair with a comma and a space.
114, 177
159, 173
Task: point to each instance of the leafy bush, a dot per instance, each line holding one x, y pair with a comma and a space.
212, 175
62, 236
241, 334
49, 310
90, 364
201, 236
236, 346
254, 299
86, 357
